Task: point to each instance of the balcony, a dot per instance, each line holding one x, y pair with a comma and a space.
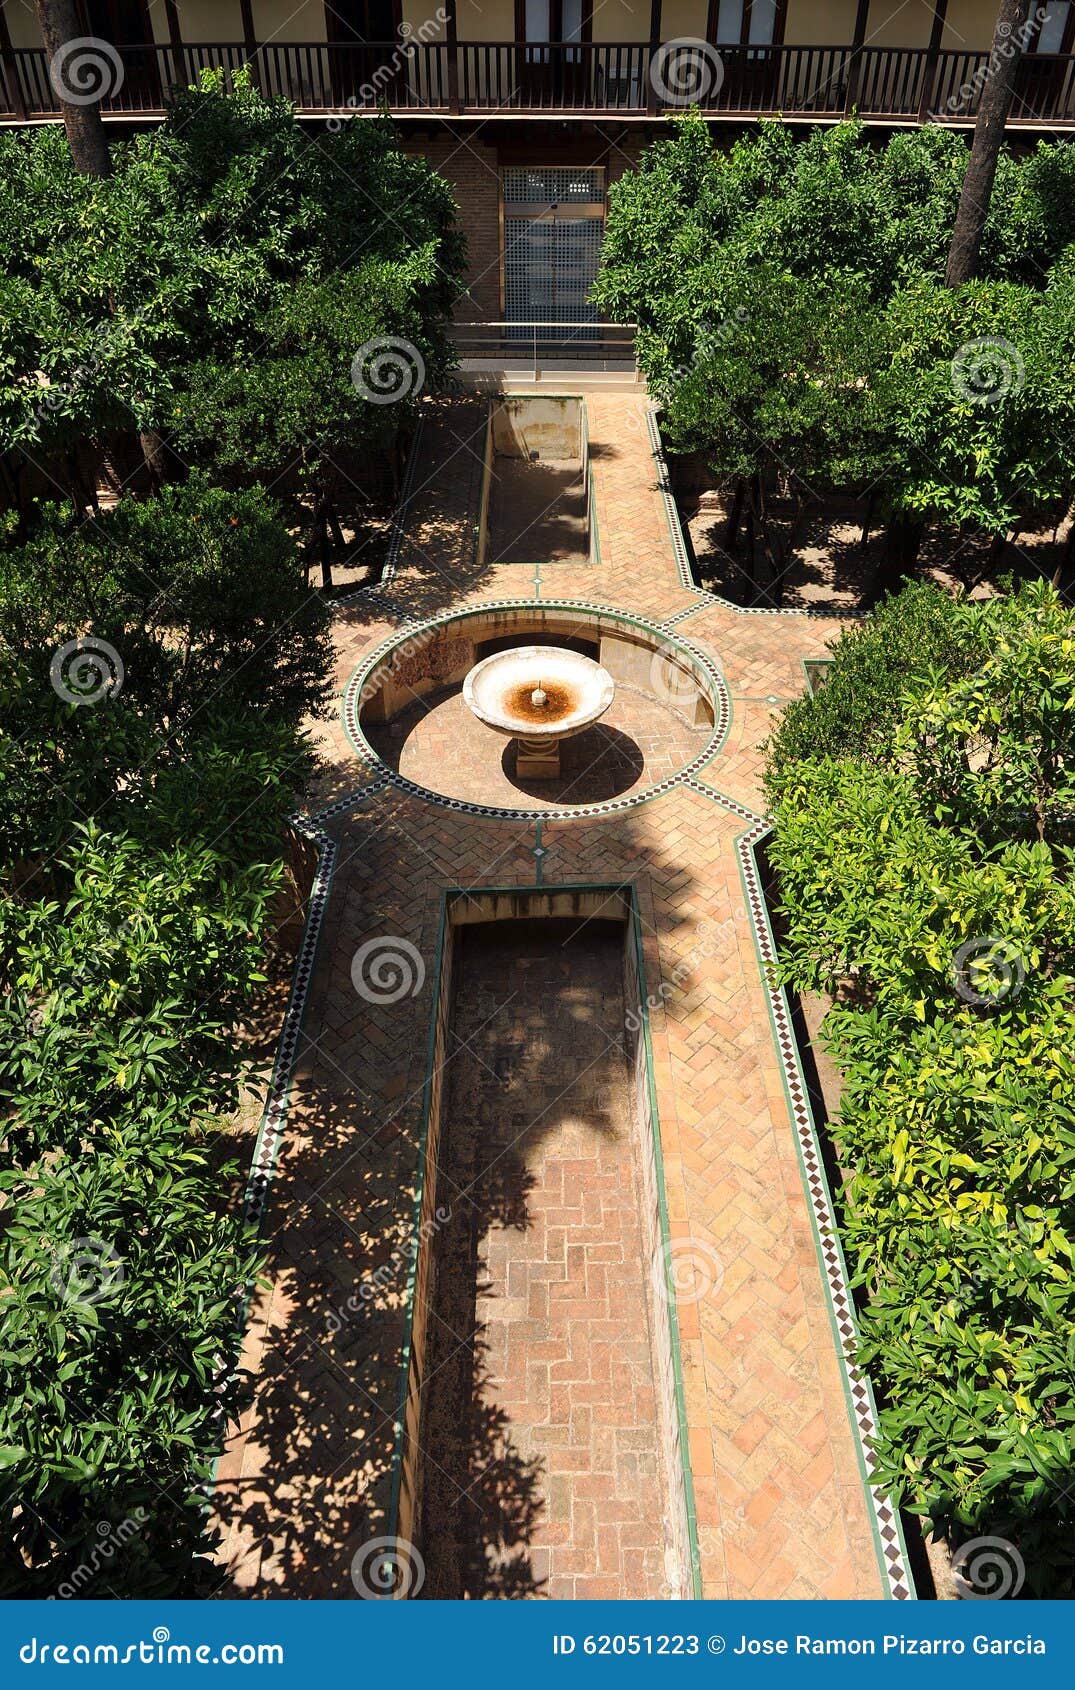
479, 79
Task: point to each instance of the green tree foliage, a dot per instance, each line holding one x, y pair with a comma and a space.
141, 858
784, 394
923, 848
191, 283
198, 594
858, 708
793, 316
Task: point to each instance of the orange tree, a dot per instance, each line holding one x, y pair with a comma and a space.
924, 855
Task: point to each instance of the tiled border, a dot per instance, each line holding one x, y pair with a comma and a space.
666, 1246
719, 697
274, 1115
439, 1015
888, 1529
679, 549
263, 1162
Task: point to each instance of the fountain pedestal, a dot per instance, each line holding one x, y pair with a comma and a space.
538, 696
537, 759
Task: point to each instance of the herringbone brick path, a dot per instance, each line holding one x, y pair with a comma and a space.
304, 1481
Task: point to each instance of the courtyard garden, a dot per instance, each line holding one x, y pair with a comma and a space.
616, 1230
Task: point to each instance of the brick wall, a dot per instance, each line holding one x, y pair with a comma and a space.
471, 167
471, 162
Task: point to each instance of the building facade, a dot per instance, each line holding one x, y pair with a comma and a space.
531, 108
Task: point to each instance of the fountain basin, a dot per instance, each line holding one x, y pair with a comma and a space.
538, 695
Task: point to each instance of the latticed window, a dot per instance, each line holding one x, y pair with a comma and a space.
553, 226
553, 185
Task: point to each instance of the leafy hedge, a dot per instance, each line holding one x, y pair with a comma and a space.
141, 857
923, 848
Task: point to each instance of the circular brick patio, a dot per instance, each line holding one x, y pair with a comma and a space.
440, 745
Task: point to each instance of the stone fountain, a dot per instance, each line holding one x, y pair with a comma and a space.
539, 695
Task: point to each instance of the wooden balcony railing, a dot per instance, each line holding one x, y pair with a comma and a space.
896, 84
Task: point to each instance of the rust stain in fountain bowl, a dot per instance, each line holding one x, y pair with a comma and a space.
560, 702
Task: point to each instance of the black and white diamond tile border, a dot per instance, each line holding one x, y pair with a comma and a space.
892, 1551
679, 616
267, 1147
679, 548
719, 697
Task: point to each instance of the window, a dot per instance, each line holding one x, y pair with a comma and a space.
729, 22
552, 20
1056, 29
747, 23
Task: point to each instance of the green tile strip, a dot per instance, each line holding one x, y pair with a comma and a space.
666, 1247
407, 1358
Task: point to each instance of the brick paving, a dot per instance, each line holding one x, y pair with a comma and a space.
546, 1476
305, 1478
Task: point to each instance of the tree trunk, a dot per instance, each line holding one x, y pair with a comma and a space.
152, 445
867, 524
903, 541
1064, 574
735, 517
996, 98
70, 73
334, 527
324, 544
751, 539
